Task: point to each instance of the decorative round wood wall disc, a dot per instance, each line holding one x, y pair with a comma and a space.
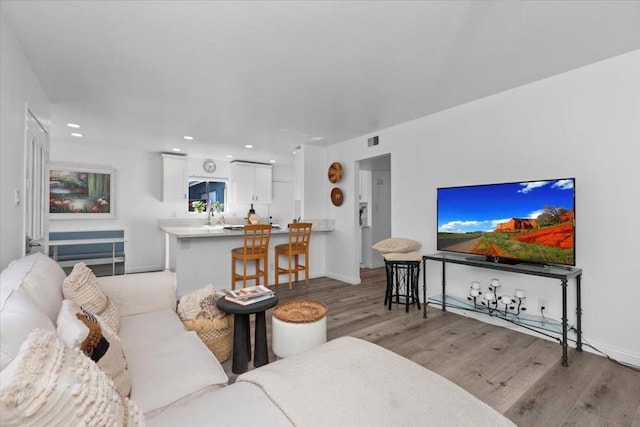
336, 196
335, 172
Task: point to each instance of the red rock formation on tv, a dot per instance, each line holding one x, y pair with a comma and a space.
559, 236
517, 224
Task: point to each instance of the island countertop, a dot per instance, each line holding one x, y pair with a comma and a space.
218, 230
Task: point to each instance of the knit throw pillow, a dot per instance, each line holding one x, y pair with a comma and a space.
50, 384
397, 245
78, 328
205, 298
82, 287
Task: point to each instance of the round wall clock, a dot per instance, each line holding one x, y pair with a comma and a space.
335, 172
209, 166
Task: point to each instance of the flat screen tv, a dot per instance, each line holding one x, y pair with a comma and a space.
529, 221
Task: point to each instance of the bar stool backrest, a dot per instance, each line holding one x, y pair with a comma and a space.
299, 236
256, 238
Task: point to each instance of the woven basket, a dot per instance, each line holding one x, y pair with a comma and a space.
216, 334
300, 311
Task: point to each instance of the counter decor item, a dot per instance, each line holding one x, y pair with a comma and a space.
335, 172
336, 196
252, 217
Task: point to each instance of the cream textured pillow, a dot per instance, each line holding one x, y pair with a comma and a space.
50, 384
404, 256
83, 288
397, 245
79, 329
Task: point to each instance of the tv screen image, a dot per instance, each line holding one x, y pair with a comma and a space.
530, 221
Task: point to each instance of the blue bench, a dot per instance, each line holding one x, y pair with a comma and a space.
91, 247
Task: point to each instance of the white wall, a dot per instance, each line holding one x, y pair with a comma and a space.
312, 180
584, 123
20, 90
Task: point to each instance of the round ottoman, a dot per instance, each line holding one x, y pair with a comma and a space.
298, 326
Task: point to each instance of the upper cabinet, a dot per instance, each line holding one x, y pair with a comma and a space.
174, 178
250, 182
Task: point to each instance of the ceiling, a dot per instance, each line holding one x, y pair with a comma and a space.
143, 74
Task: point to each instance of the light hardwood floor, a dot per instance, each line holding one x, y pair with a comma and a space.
517, 374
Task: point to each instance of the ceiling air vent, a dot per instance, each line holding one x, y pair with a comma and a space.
372, 141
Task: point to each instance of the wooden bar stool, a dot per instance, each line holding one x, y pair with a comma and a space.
256, 248
299, 236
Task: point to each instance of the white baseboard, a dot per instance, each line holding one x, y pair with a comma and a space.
621, 356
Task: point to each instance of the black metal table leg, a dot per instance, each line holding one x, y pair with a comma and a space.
565, 358
407, 287
424, 288
444, 286
416, 284
578, 314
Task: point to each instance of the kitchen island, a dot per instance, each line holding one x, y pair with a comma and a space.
201, 254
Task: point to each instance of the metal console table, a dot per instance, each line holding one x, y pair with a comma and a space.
564, 274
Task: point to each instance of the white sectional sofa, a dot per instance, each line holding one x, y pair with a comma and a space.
176, 381
167, 365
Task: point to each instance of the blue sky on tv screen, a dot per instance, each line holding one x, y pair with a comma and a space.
481, 207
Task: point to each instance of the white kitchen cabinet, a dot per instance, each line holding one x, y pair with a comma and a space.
250, 182
174, 178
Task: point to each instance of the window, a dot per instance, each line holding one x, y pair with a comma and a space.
212, 193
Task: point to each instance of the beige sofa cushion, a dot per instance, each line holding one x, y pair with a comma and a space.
141, 292
19, 315
144, 328
82, 287
241, 404
49, 384
397, 245
167, 371
79, 329
40, 277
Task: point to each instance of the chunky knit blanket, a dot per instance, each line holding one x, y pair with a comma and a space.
351, 382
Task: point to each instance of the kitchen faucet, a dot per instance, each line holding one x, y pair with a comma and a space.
209, 215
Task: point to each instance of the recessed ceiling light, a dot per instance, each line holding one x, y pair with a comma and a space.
272, 161
177, 150
248, 146
228, 156
317, 138
77, 135
188, 138
73, 125
294, 152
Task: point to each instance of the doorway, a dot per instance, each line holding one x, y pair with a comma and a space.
374, 207
35, 209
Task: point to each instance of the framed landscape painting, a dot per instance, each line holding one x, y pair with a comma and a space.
81, 192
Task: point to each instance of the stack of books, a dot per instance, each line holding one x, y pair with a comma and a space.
251, 295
